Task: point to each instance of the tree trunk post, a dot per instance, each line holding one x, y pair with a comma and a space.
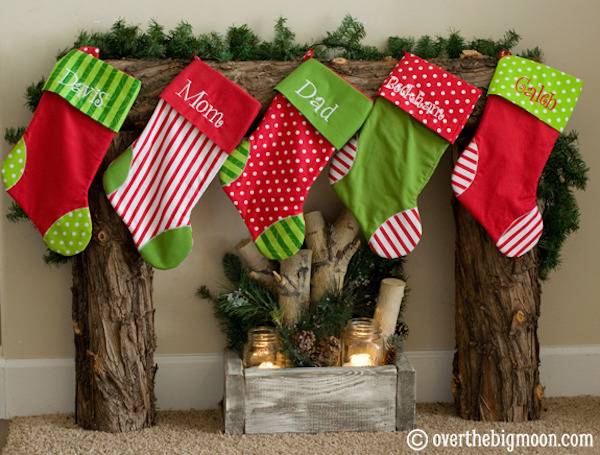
113, 322
496, 376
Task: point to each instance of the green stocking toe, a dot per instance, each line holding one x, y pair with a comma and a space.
169, 248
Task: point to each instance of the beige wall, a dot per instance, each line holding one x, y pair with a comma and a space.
35, 298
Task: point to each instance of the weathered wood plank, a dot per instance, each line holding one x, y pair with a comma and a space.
312, 400
406, 394
233, 401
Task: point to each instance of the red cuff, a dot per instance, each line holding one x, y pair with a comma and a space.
217, 106
434, 97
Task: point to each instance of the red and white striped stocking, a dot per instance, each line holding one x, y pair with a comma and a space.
156, 182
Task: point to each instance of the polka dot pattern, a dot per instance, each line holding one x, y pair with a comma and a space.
14, 164
434, 97
286, 155
93, 51
70, 234
543, 91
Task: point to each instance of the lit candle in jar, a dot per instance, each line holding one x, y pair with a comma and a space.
267, 365
360, 360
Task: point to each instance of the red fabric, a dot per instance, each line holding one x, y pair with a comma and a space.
286, 155
513, 148
64, 150
218, 107
92, 50
438, 99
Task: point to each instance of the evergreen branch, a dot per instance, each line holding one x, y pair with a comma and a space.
13, 135
564, 172
53, 258
33, 94
16, 213
243, 43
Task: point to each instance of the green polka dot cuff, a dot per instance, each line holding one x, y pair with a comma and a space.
543, 91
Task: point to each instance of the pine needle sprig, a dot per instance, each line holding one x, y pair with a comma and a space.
16, 213
13, 135
564, 172
33, 94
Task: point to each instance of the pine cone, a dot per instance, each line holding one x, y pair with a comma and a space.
305, 342
328, 352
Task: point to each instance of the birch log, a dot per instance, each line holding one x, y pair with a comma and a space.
261, 269
332, 247
389, 301
293, 286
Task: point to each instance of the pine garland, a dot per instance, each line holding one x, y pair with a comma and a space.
564, 172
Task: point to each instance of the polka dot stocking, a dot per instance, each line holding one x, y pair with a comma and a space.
268, 177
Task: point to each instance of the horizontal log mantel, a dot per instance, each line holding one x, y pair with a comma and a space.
260, 77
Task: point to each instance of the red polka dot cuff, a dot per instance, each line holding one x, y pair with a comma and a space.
434, 97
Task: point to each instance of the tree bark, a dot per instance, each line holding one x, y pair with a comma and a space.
333, 247
293, 286
113, 322
261, 269
496, 375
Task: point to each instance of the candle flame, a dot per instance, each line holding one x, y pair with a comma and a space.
267, 365
360, 360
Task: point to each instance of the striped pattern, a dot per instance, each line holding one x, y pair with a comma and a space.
398, 235
522, 235
172, 164
283, 238
96, 77
465, 169
234, 164
342, 161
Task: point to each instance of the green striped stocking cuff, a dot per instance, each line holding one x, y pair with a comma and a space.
94, 87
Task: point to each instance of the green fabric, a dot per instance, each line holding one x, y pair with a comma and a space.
331, 105
117, 172
94, 87
396, 156
543, 91
70, 234
234, 164
283, 238
14, 164
169, 248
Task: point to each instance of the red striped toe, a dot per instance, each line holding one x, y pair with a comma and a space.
522, 235
398, 235
465, 169
342, 161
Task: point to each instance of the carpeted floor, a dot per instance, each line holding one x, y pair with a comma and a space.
200, 432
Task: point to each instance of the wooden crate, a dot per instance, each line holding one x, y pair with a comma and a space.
315, 400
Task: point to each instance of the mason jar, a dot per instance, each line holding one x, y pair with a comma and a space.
262, 349
362, 344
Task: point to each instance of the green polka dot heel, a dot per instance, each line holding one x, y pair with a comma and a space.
14, 165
